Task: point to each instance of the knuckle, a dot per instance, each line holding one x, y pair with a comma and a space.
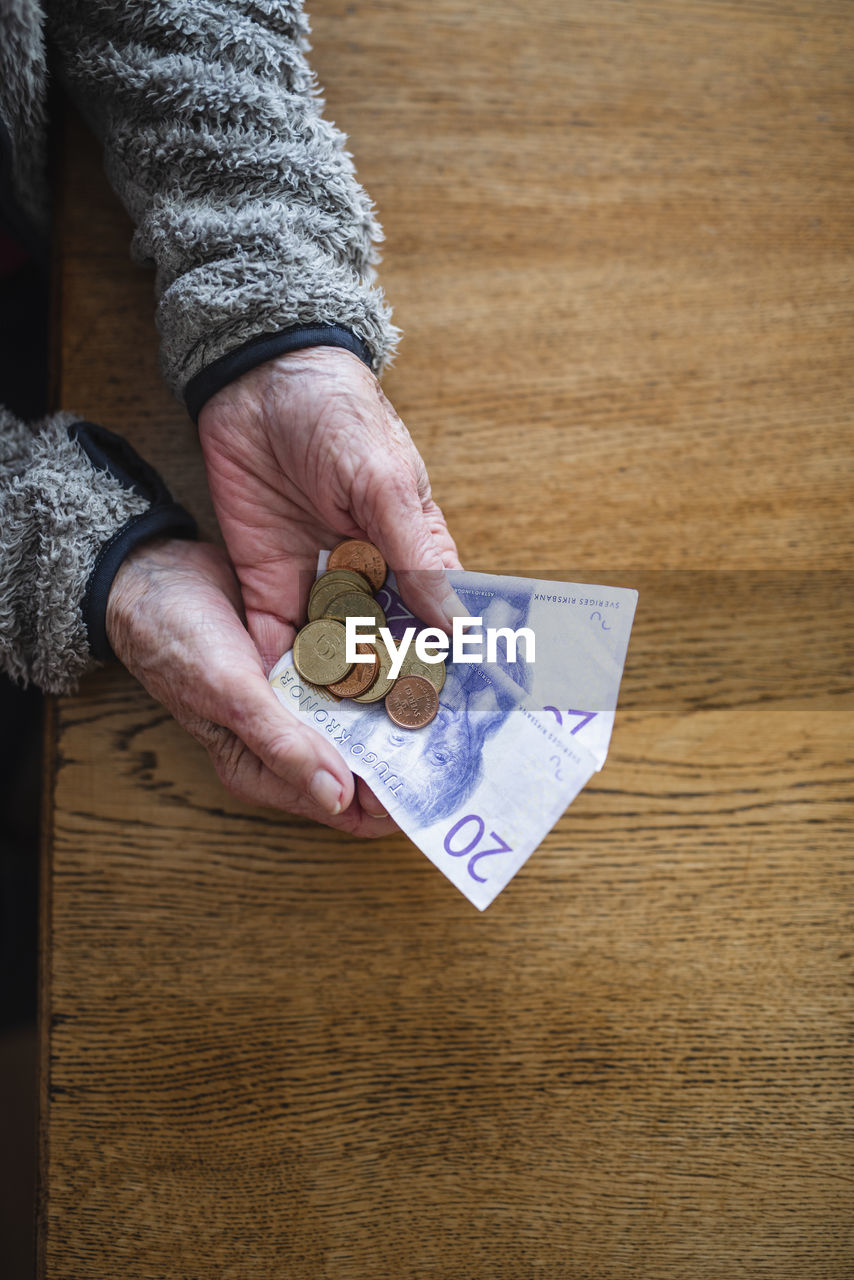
213, 737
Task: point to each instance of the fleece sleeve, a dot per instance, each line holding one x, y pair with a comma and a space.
74, 500
243, 196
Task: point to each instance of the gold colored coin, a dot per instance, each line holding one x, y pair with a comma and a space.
347, 577
353, 604
412, 703
435, 672
383, 682
360, 678
322, 596
364, 557
319, 652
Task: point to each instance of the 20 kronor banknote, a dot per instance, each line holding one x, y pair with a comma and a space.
513, 743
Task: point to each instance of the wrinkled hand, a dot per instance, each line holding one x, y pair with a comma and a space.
173, 619
306, 450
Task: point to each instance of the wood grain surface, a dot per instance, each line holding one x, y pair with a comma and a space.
619, 241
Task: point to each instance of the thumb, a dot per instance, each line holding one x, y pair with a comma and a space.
299, 755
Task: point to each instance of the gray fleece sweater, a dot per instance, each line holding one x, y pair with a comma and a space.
246, 204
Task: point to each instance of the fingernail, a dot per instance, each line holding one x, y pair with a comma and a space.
374, 809
327, 791
453, 607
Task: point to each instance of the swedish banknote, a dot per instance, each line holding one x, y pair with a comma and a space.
513, 743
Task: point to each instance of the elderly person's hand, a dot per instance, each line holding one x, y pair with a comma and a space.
306, 450
173, 619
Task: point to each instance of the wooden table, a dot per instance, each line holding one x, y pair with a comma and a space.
619, 241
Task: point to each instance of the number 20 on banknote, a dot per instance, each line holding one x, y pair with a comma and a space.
463, 839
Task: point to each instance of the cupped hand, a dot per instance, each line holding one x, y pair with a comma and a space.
306, 450
173, 619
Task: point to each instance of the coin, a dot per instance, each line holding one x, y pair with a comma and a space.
352, 604
361, 556
347, 577
383, 682
319, 651
412, 703
360, 678
323, 593
435, 672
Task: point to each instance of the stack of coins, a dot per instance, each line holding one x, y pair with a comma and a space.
355, 571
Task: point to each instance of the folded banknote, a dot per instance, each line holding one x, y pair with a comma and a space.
514, 740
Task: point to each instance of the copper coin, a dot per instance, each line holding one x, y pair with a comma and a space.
361, 556
360, 678
412, 702
435, 672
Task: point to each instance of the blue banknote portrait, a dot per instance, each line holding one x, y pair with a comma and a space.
433, 770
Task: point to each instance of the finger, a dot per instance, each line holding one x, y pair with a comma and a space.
248, 779
399, 526
300, 756
369, 802
432, 511
367, 824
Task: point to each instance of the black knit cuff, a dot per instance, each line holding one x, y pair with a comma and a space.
265, 347
164, 518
